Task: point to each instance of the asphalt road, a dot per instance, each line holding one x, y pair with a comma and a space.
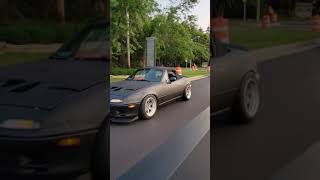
287, 124
131, 142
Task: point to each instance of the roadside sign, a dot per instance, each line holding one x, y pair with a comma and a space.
151, 51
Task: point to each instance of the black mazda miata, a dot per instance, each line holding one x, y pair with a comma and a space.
141, 93
53, 112
234, 82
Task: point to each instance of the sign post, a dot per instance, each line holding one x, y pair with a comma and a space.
151, 51
244, 11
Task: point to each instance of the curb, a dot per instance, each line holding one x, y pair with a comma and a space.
266, 54
197, 78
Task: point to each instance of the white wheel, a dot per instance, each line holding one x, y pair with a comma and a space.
148, 107
187, 92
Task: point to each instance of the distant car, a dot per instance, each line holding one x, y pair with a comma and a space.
234, 82
53, 112
141, 93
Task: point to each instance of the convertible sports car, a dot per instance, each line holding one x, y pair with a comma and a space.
234, 82
53, 113
141, 93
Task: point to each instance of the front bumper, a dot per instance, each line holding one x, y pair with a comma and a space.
120, 113
42, 157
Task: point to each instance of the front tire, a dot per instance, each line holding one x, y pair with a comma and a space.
248, 101
187, 93
148, 107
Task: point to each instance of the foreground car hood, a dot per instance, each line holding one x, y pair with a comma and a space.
125, 88
47, 83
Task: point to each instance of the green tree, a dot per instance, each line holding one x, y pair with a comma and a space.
4, 14
128, 18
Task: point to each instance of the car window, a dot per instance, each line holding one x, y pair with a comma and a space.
89, 44
154, 75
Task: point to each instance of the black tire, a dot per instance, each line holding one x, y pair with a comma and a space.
244, 110
142, 111
185, 96
100, 157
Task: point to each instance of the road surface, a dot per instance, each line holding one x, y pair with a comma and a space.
288, 122
131, 142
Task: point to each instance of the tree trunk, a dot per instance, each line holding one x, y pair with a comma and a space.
128, 38
4, 13
61, 11
102, 7
258, 10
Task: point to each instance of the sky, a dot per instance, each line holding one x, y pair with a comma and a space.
202, 11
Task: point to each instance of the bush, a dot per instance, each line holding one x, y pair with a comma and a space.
121, 71
33, 32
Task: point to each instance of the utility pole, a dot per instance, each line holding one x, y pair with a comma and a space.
128, 38
258, 10
244, 11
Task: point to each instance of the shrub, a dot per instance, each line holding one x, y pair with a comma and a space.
121, 71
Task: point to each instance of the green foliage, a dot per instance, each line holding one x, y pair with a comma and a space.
219, 6
177, 38
76, 10
121, 71
37, 32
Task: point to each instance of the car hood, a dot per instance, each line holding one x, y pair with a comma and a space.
125, 88
47, 83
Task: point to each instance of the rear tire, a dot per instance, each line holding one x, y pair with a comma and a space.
100, 156
248, 100
148, 107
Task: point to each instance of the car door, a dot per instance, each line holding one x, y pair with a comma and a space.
178, 85
167, 89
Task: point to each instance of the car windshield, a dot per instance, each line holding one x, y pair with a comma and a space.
153, 75
90, 44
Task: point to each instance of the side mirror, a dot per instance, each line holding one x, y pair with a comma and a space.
173, 78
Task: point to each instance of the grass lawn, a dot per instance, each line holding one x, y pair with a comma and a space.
189, 73
7, 59
115, 79
252, 36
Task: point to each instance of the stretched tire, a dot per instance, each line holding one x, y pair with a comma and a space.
248, 100
148, 107
100, 156
187, 93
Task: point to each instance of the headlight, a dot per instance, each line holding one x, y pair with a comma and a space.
116, 100
20, 124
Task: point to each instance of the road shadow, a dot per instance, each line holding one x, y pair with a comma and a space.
225, 121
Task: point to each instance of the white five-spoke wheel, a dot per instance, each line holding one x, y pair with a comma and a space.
251, 97
187, 92
148, 107
248, 102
